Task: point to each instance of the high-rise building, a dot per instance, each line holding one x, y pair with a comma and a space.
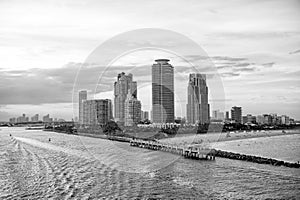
227, 115
249, 119
260, 119
217, 115
35, 118
122, 87
267, 119
47, 118
197, 106
132, 110
236, 114
12, 120
96, 112
285, 120
22, 118
82, 97
162, 92
145, 115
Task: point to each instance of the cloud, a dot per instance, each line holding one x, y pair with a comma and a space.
268, 64
256, 34
230, 74
37, 86
295, 52
227, 58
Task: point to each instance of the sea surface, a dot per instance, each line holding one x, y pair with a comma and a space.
77, 167
284, 147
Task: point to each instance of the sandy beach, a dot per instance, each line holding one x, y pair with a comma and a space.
193, 139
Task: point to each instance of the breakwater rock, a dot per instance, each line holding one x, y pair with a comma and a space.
255, 159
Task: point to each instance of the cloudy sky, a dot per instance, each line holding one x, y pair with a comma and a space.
253, 44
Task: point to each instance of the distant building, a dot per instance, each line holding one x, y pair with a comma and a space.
22, 119
267, 119
82, 97
132, 110
249, 119
122, 87
217, 115
260, 119
162, 92
97, 112
12, 120
227, 115
47, 118
145, 115
35, 118
285, 120
197, 105
236, 114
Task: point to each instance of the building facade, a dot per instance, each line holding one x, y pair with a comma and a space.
97, 112
236, 114
82, 97
227, 115
132, 110
162, 92
47, 118
197, 96
22, 118
144, 115
35, 118
122, 87
218, 115
12, 120
249, 119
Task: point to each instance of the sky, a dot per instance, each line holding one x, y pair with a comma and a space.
253, 44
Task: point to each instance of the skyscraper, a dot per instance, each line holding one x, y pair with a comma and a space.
96, 112
35, 118
132, 110
197, 106
47, 118
122, 87
236, 114
162, 92
82, 97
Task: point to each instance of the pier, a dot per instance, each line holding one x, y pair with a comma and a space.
255, 159
192, 152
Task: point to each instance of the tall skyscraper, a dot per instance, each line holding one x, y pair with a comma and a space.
236, 114
197, 106
122, 87
82, 97
96, 111
132, 110
162, 92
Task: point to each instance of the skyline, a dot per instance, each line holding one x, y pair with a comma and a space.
256, 55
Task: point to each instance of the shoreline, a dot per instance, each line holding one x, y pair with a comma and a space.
226, 136
194, 139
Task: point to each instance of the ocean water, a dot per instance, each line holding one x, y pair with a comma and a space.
75, 167
285, 147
